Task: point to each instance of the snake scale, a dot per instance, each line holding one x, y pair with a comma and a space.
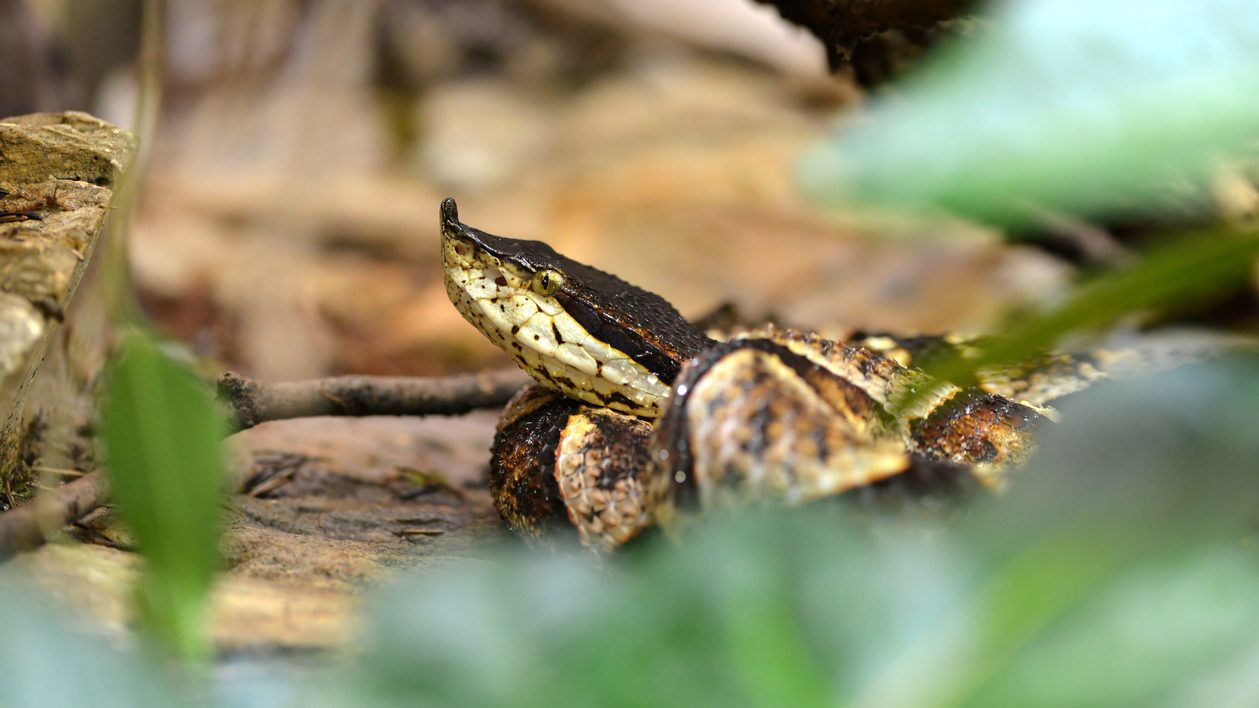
639, 418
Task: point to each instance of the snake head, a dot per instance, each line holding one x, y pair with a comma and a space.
576, 329
478, 271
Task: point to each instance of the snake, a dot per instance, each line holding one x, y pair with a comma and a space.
641, 419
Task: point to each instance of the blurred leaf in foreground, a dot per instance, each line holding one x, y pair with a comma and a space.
1081, 106
1116, 572
1119, 569
162, 435
50, 660
47, 664
1173, 277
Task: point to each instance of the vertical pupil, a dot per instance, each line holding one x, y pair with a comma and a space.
546, 281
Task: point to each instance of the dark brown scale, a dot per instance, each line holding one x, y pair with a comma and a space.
865, 365
974, 427
759, 424
619, 460
522, 467
620, 398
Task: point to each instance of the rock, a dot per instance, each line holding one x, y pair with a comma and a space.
56, 176
63, 146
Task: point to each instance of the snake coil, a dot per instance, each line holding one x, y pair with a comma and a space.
638, 417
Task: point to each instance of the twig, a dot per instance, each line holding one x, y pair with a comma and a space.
28, 526
62, 471
12, 216
251, 402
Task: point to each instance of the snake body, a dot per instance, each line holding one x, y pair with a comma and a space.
639, 417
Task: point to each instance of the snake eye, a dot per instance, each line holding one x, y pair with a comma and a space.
547, 282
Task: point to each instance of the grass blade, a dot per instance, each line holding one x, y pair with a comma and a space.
1177, 275
162, 435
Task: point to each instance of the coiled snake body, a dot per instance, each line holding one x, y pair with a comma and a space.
639, 416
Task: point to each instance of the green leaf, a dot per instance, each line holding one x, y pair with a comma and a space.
1088, 107
162, 435
1177, 275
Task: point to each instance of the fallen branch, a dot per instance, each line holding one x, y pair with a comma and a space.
29, 525
251, 402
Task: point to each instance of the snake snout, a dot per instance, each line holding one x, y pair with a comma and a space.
454, 233
449, 214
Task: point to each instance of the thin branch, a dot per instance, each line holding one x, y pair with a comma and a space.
29, 525
251, 402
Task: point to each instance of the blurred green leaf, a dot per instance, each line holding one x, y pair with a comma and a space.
1144, 483
1081, 106
53, 658
162, 434
1177, 275
1173, 277
1171, 621
47, 664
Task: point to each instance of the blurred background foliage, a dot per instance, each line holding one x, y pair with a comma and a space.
286, 228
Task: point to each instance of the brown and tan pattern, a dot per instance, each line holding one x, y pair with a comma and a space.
763, 423
641, 418
602, 468
558, 465
1035, 382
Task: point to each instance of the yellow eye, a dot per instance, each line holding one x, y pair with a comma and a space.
547, 282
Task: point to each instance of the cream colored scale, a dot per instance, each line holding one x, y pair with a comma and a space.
594, 368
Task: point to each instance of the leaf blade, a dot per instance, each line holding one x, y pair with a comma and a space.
161, 434
1084, 107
